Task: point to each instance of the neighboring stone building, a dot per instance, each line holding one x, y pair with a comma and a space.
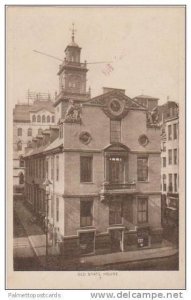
102, 162
28, 121
170, 162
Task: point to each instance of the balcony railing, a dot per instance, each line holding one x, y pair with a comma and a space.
117, 188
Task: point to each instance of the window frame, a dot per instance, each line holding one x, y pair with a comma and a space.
57, 167
170, 183
29, 132
143, 221
88, 222
116, 214
19, 131
170, 132
175, 131
82, 176
170, 157
139, 157
116, 131
175, 160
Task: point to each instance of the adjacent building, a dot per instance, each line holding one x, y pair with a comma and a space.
95, 175
170, 162
29, 120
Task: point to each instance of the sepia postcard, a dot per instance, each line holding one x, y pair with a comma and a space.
95, 116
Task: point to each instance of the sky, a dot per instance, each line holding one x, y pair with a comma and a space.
145, 46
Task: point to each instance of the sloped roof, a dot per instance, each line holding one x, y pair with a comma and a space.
100, 99
44, 148
39, 105
145, 97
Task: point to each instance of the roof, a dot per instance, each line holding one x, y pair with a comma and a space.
100, 100
39, 105
44, 148
21, 112
145, 97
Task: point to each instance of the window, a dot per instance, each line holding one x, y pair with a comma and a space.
86, 217
170, 187
43, 119
116, 169
43, 168
175, 183
169, 132
29, 144
57, 209
57, 168
19, 131
142, 210
30, 132
38, 118
19, 146
170, 157
175, 132
40, 131
115, 212
40, 168
52, 167
86, 168
164, 182
22, 163
175, 157
61, 131
48, 119
52, 119
142, 168
164, 162
21, 178
164, 146
52, 206
34, 118
47, 168
115, 131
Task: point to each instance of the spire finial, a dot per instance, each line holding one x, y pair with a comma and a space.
73, 31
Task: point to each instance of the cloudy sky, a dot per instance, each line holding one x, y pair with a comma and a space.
145, 45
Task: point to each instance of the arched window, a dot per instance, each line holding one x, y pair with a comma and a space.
43, 119
52, 119
30, 132
48, 119
21, 178
33, 118
19, 146
38, 118
19, 131
40, 131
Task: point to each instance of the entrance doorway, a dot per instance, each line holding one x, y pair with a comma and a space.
87, 242
116, 236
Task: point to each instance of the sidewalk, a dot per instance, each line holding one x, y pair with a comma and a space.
37, 239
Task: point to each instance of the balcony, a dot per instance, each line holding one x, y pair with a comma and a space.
117, 189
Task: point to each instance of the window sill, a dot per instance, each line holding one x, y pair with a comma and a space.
143, 181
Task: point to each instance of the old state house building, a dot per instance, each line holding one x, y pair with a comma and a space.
101, 160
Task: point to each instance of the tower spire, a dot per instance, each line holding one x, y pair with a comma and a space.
73, 31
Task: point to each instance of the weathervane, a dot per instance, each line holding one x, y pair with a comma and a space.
73, 31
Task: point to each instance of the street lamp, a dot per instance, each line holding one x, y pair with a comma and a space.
46, 184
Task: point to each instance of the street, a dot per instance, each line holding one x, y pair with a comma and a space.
26, 259
24, 256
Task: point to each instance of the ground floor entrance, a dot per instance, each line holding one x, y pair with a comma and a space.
116, 237
87, 242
